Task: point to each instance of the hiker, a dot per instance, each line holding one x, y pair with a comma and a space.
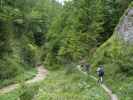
87, 67
82, 67
82, 63
100, 72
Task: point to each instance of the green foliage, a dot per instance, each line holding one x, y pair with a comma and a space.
117, 57
39, 39
28, 56
74, 86
22, 76
5, 46
32, 31
113, 52
23, 25
9, 68
69, 32
28, 92
71, 49
81, 27
59, 85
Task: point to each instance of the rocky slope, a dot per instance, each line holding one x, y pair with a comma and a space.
125, 27
116, 55
112, 52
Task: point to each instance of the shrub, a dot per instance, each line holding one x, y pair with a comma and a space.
28, 55
116, 52
9, 68
28, 92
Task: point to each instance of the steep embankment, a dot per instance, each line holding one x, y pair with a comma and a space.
117, 56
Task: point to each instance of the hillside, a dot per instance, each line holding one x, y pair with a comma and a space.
117, 56
39, 35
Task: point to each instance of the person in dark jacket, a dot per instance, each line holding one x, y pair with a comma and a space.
87, 67
100, 72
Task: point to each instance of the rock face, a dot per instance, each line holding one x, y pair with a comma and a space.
125, 27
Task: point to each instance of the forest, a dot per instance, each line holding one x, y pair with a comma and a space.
60, 36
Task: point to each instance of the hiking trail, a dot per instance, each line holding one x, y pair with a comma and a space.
41, 74
107, 90
112, 96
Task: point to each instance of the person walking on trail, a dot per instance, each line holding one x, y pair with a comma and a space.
87, 67
100, 72
82, 67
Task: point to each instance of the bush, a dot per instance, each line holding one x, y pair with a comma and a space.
28, 55
115, 52
28, 92
9, 68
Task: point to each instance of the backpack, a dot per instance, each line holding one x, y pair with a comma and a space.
101, 72
87, 66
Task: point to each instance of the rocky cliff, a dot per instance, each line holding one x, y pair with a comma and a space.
125, 27
116, 54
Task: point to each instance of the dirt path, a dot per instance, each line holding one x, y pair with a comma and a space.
112, 96
108, 91
42, 72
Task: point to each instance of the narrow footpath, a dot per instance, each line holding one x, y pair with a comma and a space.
112, 96
42, 72
107, 90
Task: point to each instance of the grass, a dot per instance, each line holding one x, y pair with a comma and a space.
26, 75
10, 96
122, 87
117, 57
75, 86
59, 85
24, 92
